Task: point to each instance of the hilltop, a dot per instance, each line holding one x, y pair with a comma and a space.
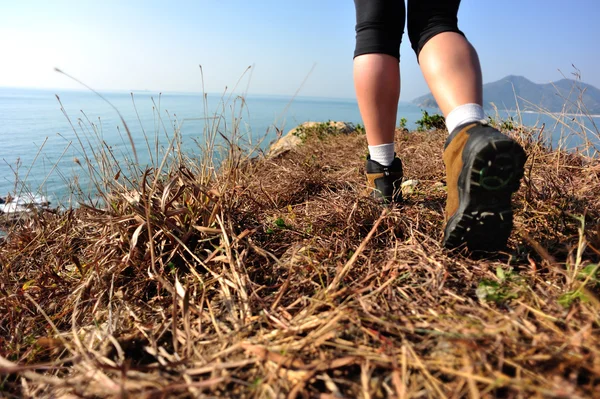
274, 276
564, 95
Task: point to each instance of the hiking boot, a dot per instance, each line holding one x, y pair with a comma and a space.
384, 182
483, 168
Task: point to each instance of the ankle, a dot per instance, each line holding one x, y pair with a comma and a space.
383, 154
464, 114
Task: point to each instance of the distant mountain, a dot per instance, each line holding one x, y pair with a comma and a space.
563, 95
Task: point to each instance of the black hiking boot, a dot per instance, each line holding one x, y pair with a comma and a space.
483, 168
384, 182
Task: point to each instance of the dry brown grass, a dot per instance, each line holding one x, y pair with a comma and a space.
278, 278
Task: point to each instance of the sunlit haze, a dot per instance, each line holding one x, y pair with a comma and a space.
158, 46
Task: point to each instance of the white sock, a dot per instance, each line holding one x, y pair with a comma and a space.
382, 153
464, 114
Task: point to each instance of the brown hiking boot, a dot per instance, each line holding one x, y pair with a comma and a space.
384, 182
483, 168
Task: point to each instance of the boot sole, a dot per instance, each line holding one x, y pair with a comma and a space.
385, 201
492, 171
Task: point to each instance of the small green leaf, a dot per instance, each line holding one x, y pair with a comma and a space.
279, 222
493, 291
487, 290
171, 267
591, 272
567, 299
500, 273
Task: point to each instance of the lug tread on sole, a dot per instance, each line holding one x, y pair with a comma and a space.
487, 220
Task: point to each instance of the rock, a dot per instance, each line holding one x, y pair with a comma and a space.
284, 144
343, 127
296, 136
409, 186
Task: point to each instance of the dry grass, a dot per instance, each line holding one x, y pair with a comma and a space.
278, 278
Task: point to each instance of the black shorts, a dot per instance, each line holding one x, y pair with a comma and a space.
380, 24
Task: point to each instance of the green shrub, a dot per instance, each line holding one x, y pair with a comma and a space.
360, 128
429, 122
322, 130
402, 123
503, 125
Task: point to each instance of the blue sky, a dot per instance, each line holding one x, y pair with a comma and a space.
158, 45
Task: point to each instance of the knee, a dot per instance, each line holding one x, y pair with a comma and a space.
379, 26
428, 20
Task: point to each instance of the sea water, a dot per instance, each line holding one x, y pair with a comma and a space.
46, 135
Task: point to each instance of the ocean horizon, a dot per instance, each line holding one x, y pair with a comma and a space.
47, 133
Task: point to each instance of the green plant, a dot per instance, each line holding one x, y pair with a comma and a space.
320, 131
504, 125
429, 122
279, 222
172, 268
402, 123
360, 128
567, 299
508, 286
591, 273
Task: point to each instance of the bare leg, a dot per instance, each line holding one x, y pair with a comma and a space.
377, 84
483, 166
451, 68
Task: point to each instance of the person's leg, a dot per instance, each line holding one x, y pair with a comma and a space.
448, 61
451, 68
379, 28
377, 85
483, 166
